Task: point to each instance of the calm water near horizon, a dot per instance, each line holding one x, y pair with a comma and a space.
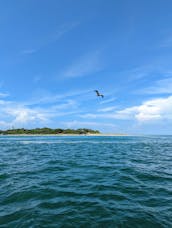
85, 181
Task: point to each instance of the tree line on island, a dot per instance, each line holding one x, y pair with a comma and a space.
48, 131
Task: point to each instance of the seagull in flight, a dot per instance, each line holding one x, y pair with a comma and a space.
98, 94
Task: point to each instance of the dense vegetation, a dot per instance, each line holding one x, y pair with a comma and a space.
46, 130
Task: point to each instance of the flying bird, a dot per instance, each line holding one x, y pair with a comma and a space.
98, 94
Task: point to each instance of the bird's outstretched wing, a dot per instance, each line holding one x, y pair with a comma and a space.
97, 92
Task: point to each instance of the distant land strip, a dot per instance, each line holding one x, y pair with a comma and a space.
49, 131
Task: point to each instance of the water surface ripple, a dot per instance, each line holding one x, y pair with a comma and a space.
86, 181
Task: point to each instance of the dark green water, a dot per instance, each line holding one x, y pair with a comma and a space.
86, 181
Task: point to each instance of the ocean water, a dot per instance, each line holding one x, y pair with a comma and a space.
86, 181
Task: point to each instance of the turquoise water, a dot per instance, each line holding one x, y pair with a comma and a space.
86, 181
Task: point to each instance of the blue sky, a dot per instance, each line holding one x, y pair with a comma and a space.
55, 53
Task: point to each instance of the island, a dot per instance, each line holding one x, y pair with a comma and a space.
49, 131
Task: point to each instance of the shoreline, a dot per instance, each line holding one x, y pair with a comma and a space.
58, 135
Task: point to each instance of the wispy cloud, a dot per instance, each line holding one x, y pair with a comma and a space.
55, 36
162, 86
167, 42
37, 79
86, 65
147, 71
151, 110
65, 28
79, 124
106, 101
2, 95
28, 51
137, 73
46, 97
1, 84
4, 124
107, 109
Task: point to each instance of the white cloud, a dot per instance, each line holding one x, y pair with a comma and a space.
19, 114
155, 109
151, 110
16, 114
22, 115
